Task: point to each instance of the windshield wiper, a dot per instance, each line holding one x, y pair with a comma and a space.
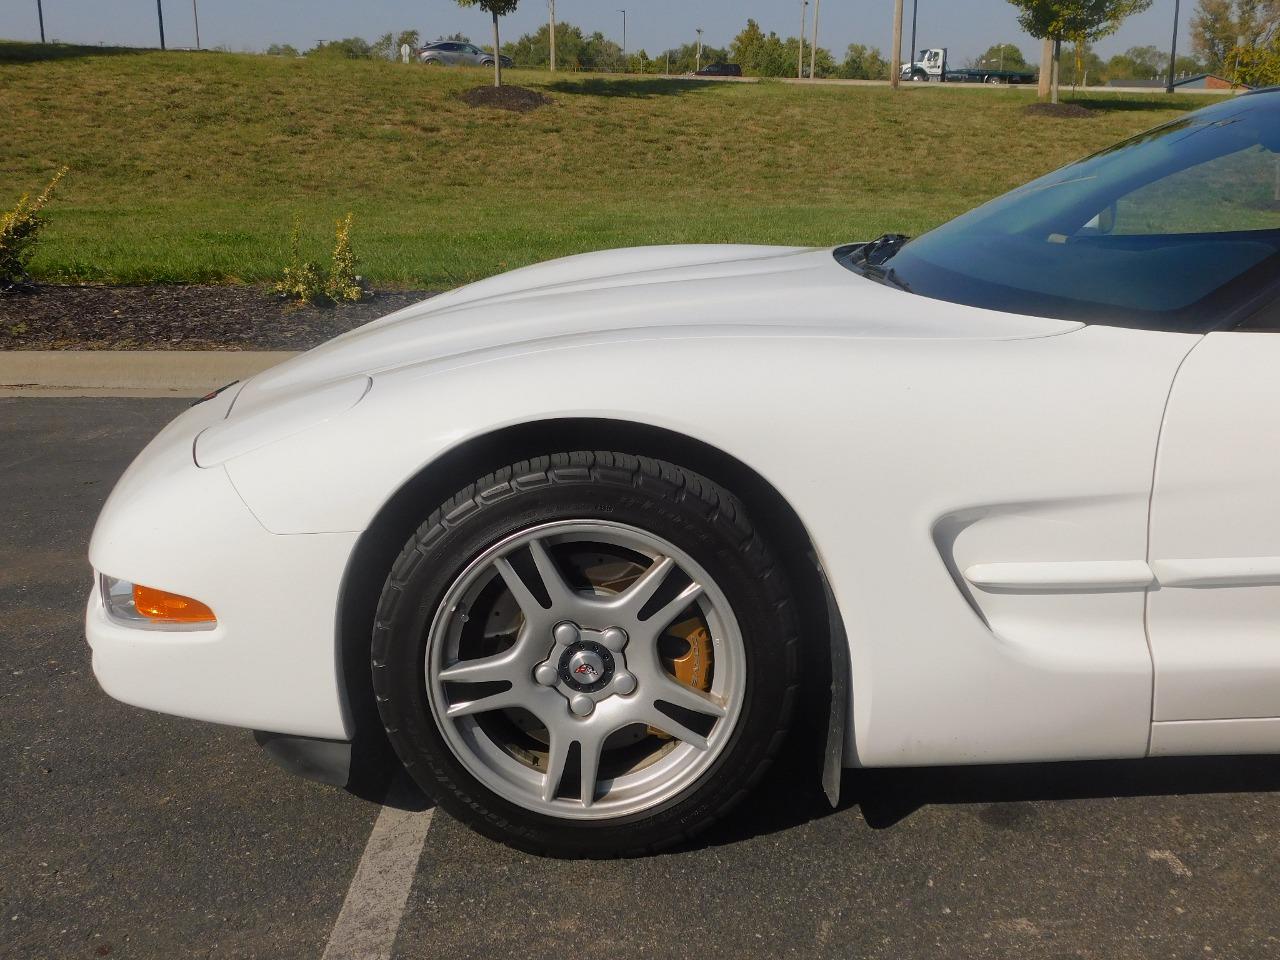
879, 250
869, 259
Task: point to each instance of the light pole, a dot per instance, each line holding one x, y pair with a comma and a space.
1173, 47
40, 14
813, 47
804, 20
624, 40
551, 4
895, 59
911, 54
195, 15
160, 15
698, 61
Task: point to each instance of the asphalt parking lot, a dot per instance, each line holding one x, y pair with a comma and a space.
130, 834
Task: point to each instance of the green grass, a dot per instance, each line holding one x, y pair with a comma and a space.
192, 166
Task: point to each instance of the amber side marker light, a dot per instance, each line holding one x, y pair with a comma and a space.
148, 606
164, 607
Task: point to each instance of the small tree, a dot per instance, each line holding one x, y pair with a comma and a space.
496, 9
1077, 20
408, 38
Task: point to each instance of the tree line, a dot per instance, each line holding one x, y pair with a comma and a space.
1236, 39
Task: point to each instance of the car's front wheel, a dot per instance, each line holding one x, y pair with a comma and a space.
587, 654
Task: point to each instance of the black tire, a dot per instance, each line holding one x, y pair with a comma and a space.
706, 521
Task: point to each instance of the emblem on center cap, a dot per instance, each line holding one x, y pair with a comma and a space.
587, 666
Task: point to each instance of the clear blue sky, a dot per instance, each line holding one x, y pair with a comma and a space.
967, 27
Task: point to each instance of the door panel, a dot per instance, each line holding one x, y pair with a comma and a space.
1213, 617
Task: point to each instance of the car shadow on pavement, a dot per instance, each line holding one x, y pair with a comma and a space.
791, 794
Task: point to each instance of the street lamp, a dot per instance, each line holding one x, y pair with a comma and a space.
40, 14
804, 19
624, 40
1173, 47
195, 15
160, 15
552, 36
813, 47
911, 54
698, 62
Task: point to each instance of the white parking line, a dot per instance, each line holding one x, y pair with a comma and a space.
367, 925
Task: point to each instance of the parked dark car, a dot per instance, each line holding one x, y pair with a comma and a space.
720, 70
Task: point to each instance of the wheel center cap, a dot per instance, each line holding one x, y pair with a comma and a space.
587, 666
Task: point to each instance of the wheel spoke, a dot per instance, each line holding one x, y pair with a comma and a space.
524, 597
557, 756
662, 619
483, 669
552, 581
589, 760
494, 701
674, 728
633, 599
687, 697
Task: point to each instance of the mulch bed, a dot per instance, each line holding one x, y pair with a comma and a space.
178, 318
519, 99
1064, 110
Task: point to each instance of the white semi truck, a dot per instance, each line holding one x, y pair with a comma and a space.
932, 66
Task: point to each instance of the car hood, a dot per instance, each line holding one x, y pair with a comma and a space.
645, 292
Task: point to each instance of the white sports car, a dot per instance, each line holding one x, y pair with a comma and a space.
580, 540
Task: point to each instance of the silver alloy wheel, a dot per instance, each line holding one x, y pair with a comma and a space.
589, 673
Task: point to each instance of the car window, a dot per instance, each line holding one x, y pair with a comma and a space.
1175, 229
1240, 191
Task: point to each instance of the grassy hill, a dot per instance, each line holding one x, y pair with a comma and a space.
192, 166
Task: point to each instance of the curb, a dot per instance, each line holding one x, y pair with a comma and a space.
128, 373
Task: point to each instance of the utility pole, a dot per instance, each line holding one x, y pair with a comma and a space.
804, 21
160, 15
813, 47
911, 51
1173, 47
195, 15
698, 61
40, 14
895, 60
552, 5
624, 40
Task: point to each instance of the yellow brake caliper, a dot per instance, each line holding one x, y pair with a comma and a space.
693, 667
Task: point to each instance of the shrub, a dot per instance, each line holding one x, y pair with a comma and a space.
300, 281
304, 283
19, 232
342, 283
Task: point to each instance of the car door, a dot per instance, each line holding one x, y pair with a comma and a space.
1213, 617
1213, 613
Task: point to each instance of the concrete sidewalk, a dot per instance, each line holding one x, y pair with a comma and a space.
128, 373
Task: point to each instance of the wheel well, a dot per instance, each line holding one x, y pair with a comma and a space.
400, 515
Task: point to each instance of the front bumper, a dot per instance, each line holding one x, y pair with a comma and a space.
271, 663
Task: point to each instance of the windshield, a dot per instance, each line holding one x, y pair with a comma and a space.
1174, 229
